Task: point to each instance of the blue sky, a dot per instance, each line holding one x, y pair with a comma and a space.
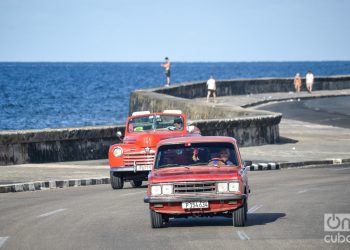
184, 30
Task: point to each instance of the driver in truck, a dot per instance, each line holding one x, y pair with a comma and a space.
178, 124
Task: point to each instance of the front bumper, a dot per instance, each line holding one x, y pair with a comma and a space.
182, 198
127, 169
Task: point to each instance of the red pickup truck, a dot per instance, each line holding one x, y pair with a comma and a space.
133, 159
198, 176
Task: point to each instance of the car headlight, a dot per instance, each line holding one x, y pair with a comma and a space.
118, 151
222, 187
167, 189
156, 190
233, 187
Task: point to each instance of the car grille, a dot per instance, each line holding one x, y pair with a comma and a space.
194, 187
138, 158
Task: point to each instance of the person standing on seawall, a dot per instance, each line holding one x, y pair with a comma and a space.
297, 82
309, 81
166, 66
211, 84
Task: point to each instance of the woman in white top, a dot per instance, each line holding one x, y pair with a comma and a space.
211, 84
309, 81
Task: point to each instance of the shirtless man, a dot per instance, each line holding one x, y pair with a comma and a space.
297, 82
166, 67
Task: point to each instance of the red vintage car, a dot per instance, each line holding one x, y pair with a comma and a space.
198, 176
133, 159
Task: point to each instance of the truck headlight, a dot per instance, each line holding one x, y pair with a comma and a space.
156, 190
233, 187
222, 187
167, 189
118, 151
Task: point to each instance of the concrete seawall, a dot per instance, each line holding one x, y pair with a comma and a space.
55, 145
253, 86
249, 127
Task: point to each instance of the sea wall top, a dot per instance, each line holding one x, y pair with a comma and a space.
198, 89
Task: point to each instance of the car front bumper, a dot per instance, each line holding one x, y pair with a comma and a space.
183, 198
133, 169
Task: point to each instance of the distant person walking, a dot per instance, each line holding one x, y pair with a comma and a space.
297, 82
211, 85
166, 67
309, 81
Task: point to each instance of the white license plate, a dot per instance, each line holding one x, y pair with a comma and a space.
143, 168
195, 204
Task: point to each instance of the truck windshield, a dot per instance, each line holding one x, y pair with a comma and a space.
197, 154
156, 122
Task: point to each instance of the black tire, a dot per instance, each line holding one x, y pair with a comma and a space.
156, 219
238, 217
245, 210
117, 181
136, 183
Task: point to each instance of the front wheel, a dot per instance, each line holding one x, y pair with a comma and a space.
136, 183
239, 217
117, 181
156, 219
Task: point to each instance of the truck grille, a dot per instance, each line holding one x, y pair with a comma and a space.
138, 158
194, 187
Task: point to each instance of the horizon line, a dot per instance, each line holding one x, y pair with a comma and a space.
252, 61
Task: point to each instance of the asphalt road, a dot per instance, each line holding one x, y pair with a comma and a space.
286, 211
334, 111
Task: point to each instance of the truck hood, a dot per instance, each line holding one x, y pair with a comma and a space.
150, 138
197, 173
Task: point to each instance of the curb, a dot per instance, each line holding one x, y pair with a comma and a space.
300, 164
264, 166
45, 185
313, 163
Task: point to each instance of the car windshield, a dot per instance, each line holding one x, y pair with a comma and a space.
197, 154
156, 122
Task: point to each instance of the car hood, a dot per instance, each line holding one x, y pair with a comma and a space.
200, 173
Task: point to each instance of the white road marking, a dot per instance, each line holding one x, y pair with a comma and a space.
52, 212
254, 208
302, 191
242, 235
2, 240
144, 191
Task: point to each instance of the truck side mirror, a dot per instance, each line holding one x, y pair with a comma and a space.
247, 163
120, 135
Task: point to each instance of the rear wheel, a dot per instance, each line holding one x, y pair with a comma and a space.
156, 219
136, 183
117, 181
239, 217
245, 210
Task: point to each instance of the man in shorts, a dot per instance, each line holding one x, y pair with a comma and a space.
211, 85
166, 67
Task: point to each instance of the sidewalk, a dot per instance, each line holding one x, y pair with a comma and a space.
301, 143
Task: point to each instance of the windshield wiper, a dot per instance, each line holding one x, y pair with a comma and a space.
172, 165
199, 164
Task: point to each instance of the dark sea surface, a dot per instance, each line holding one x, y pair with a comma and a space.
56, 95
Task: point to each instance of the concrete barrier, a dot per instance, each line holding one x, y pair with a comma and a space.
55, 145
249, 127
198, 89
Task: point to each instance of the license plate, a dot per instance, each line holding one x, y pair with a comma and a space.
195, 204
143, 168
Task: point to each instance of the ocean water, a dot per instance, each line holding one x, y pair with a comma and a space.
56, 95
